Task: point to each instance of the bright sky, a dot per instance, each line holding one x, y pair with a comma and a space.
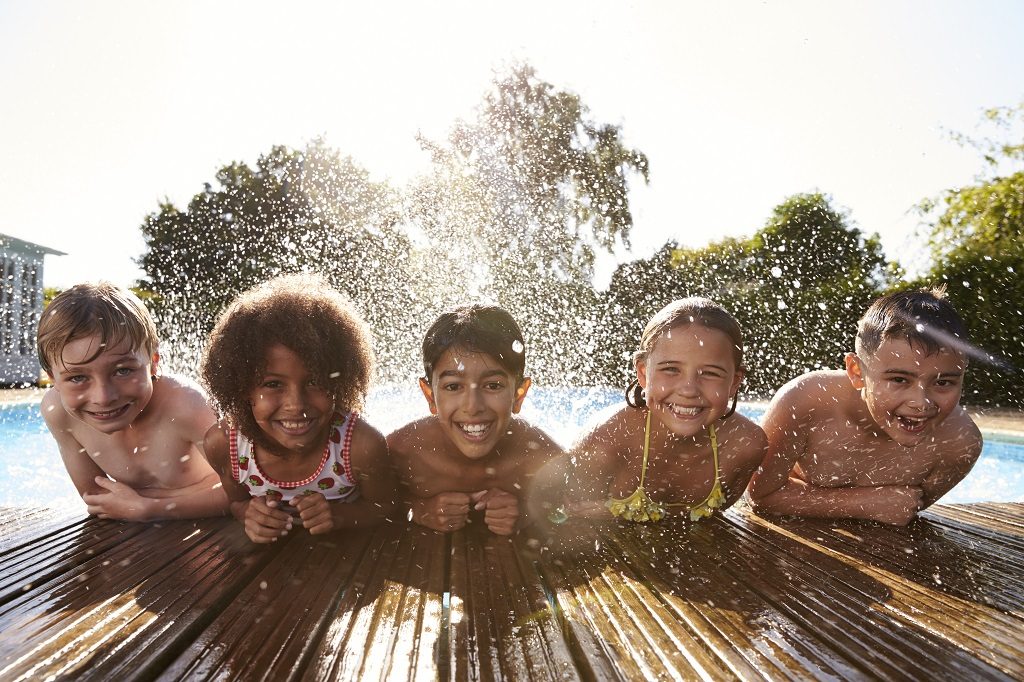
108, 107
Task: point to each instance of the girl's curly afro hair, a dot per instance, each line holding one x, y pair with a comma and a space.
307, 316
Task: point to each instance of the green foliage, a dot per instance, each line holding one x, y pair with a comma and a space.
518, 201
309, 210
797, 288
977, 237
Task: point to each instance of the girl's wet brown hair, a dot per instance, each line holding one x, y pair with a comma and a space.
108, 311
307, 316
680, 313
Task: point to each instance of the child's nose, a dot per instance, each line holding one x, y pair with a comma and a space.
103, 392
473, 400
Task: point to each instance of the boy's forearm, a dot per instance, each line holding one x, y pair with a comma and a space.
798, 498
194, 505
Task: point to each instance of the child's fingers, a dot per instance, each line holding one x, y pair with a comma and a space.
478, 497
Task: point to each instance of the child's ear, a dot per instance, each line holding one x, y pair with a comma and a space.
737, 380
428, 393
854, 370
155, 364
521, 395
641, 373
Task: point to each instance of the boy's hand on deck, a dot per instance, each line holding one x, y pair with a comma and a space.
900, 506
501, 510
117, 501
264, 522
443, 512
315, 512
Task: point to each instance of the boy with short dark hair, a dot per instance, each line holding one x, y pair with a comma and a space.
130, 438
472, 453
887, 437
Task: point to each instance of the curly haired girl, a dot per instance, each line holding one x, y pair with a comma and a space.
288, 365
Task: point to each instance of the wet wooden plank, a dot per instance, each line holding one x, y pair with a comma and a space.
389, 621
20, 525
956, 619
736, 597
127, 608
501, 624
271, 627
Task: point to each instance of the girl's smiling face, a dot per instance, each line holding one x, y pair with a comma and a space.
689, 378
291, 408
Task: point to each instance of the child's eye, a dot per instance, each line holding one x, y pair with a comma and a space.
670, 370
494, 386
898, 380
271, 383
451, 386
123, 371
76, 379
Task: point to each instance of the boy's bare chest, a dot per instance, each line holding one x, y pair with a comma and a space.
838, 457
141, 458
431, 473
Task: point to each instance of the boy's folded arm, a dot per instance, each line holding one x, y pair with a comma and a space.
952, 469
785, 426
893, 504
79, 465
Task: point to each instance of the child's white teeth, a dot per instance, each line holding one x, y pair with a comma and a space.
686, 411
474, 429
294, 425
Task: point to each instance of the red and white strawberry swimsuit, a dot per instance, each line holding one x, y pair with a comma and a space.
333, 478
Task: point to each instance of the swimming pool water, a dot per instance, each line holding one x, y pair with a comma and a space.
32, 474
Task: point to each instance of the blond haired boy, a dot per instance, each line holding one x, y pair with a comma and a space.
883, 439
129, 437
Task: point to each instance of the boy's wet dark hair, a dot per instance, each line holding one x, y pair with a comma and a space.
108, 311
480, 328
680, 313
302, 313
921, 316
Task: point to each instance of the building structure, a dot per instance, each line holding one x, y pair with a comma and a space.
21, 304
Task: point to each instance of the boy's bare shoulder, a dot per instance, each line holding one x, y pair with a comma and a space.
960, 431
812, 396
413, 436
532, 438
53, 412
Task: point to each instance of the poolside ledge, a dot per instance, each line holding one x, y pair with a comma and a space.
736, 597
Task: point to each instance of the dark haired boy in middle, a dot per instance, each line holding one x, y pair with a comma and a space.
472, 453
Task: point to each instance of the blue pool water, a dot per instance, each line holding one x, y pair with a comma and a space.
31, 471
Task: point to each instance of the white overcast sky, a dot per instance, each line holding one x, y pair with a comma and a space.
108, 107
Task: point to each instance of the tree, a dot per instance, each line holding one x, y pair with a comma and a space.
976, 236
811, 275
310, 210
797, 288
517, 203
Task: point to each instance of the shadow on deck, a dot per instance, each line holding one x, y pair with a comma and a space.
736, 597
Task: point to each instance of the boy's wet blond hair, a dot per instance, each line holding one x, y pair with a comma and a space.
101, 309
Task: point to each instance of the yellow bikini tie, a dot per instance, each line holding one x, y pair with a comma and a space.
640, 507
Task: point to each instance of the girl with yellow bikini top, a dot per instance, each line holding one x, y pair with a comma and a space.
688, 371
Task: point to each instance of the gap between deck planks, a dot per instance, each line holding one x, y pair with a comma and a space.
737, 597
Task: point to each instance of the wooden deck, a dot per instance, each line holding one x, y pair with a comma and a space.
736, 597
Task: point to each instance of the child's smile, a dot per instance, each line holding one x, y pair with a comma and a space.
474, 398
689, 377
907, 391
289, 405
107, 392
